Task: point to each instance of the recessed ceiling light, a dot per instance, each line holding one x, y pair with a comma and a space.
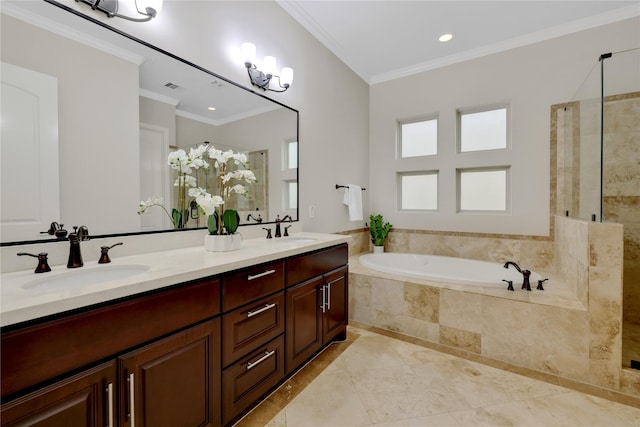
445, 37
211, 108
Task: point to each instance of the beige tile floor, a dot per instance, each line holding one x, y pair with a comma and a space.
376, 380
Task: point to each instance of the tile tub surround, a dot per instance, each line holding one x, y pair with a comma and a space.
572, 333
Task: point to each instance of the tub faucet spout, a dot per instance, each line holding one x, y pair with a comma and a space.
525, 274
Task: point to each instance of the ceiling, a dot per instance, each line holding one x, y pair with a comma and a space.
385, 40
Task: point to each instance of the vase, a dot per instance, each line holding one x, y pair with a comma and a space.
378, 249
222, 243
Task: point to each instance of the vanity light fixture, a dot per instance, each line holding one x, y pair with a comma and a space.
262, 78
149, 9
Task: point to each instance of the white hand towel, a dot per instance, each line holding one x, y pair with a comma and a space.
353, 199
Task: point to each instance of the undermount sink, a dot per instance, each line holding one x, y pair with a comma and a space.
81, 277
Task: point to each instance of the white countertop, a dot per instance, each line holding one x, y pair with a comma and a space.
19, 303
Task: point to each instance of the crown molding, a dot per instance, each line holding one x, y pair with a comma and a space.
65, 31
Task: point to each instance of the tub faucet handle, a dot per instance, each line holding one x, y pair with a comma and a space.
510, 283
540, 282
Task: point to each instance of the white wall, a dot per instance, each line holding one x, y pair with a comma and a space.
331, 99
531, 79
89, 145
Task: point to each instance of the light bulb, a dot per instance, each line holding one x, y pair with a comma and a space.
269, 65
286, 76
248, 53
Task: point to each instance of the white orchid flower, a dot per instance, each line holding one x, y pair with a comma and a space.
238, 189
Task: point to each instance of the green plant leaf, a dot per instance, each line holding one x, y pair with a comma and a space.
230, 220
212, 223
378, 229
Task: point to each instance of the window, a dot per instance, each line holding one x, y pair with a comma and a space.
291, 155
418, 190
418, 138
482, 130
483, 190
291, 195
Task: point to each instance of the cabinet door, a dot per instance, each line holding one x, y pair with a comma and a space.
85, 399
174, 381
304, 322
334, 318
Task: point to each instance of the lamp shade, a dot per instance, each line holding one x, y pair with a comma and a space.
286, 76
249, 53
269, 65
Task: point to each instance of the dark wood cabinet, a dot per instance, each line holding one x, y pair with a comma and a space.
252, 377
85, 399
304, 322
174, 381
335, 315
251, 325
195, 354
316, 314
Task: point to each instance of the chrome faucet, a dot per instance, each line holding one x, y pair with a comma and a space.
278, 221
525, 274
75, 255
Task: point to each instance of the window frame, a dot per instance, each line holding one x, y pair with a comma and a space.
399, 188
507, 195
427, 118
483, 109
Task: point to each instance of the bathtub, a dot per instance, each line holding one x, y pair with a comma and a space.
447, 269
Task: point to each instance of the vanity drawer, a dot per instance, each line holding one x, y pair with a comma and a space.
244, 382
305, 267
250, 284
251, 325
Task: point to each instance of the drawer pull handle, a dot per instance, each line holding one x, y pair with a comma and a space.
110, 405
132, 401
257, 276
260, 310
267, 355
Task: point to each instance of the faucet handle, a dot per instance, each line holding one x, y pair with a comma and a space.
540, 282
104, 253
83, 233
510, 283
286, 230
43, 265
268, 232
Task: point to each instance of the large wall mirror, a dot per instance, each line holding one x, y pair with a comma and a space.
90, 116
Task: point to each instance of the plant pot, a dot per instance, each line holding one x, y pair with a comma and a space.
222, 243
378, 249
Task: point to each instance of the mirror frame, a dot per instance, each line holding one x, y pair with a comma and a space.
197, 67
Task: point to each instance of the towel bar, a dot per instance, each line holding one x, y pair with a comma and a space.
346, 186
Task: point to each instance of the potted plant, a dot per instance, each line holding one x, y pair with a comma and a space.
379, 231
222, 223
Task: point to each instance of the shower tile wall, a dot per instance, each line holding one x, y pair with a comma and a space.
622, 189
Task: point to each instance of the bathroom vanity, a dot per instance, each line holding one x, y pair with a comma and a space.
198, 351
